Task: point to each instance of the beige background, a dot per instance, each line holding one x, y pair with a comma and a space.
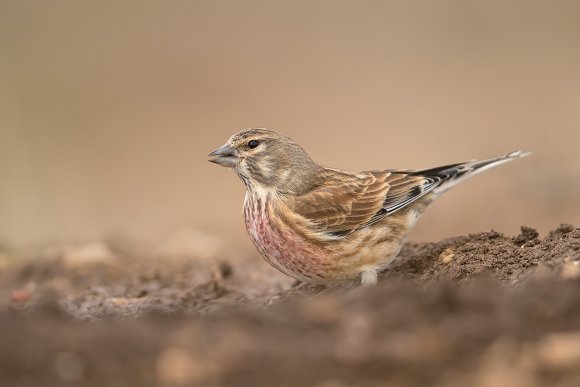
108, 109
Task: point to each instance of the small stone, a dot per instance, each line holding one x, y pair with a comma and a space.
123, 301
560, 350
447, 255
88, 254
23, 294
570, 269
177, 367
20, 295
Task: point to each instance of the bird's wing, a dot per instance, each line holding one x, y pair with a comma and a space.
345, 202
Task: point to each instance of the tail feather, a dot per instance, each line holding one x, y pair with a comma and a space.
450, 175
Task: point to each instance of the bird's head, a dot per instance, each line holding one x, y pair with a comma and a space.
267, 159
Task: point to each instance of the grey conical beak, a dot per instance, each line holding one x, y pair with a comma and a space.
224, 156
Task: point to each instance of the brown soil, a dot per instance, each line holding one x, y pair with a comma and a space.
477, 310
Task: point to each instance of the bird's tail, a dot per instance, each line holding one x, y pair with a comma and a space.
450, 175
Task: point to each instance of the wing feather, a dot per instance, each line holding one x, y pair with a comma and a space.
345, 202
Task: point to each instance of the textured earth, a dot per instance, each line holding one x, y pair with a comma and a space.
478, 310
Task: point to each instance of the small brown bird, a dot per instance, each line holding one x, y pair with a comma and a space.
325, 226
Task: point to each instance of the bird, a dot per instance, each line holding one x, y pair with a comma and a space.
326, 226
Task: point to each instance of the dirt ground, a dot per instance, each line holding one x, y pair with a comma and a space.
479, 310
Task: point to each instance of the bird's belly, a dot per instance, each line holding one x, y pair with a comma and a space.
331, 261
337, 261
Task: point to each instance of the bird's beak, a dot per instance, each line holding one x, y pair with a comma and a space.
224, 156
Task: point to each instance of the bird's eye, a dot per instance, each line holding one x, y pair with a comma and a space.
253, 144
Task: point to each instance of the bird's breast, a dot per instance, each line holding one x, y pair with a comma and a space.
278, 242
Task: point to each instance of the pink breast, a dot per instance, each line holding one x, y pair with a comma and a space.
283, 248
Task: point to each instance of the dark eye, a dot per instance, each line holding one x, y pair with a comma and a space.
253, 143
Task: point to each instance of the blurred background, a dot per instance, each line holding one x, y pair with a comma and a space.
108, 109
